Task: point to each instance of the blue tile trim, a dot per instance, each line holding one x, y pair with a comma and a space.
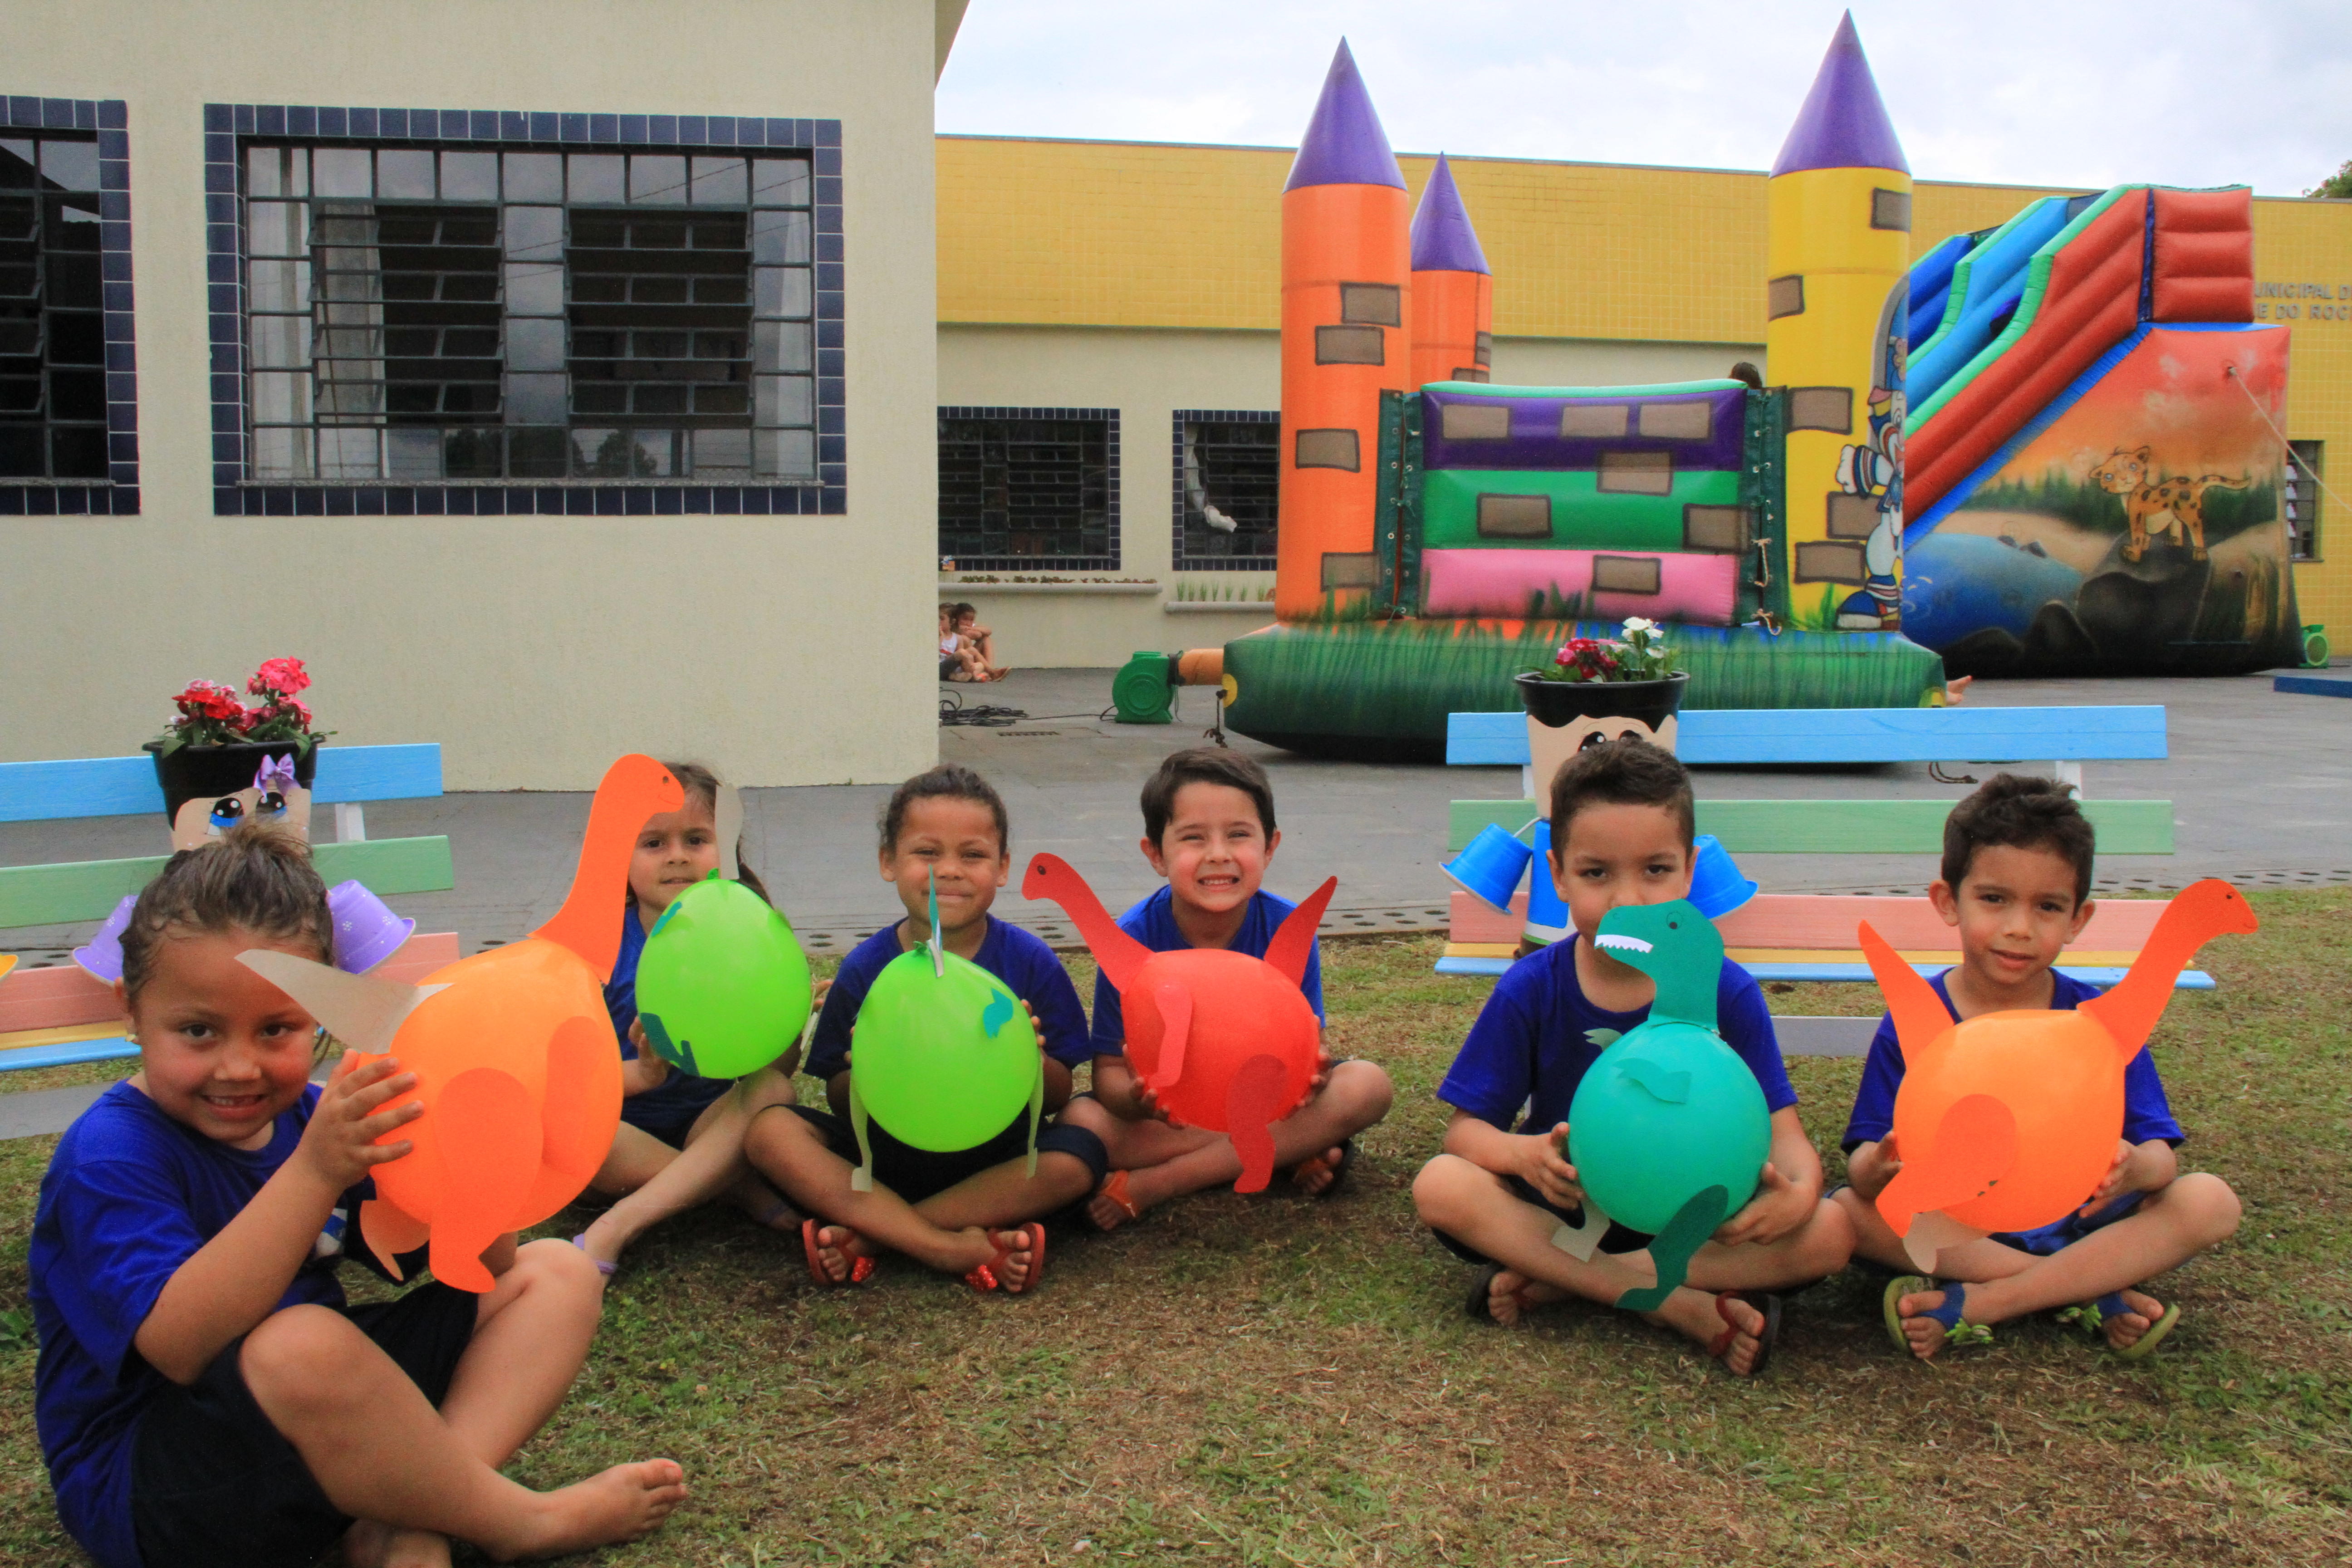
1108, 562
1177, 420
117, 495
236, 494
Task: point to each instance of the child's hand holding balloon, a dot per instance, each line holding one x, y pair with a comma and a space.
1870, 1168
648, 1070
1778, 1208
340, 1141
2123, 1176
1544, 1167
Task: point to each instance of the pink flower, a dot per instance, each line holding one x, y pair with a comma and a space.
281, 676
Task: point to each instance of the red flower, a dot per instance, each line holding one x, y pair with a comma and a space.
208, 699
280, 677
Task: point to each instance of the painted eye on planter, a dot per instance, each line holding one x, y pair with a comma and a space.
227, 811
1630, 735
1594, 739
271, 803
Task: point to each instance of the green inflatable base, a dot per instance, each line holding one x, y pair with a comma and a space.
1380, 690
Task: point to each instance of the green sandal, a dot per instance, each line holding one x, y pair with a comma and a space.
2092, 1317
1952, 1314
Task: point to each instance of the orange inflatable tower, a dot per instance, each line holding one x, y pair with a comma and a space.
1347, 283
1453, 292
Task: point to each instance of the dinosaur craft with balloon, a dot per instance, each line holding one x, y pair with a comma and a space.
1224, 1041
513, 1054
2008, 1120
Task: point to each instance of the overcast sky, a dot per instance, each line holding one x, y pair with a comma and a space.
2055, 92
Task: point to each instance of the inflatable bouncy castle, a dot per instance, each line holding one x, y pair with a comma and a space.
1439, 533
2095, 462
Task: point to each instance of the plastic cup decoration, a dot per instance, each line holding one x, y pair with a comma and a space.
1668, 1130
1548, 918
1490, 866
366, 931
942, 1056
1717, 886
722, 985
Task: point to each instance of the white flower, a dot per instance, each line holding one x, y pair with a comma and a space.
1636, 624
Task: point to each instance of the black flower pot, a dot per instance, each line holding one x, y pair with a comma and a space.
1556, 704
209, 773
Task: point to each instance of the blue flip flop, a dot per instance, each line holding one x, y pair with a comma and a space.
1952, 1314
2092, 1320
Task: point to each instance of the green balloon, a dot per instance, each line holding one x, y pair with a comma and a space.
722, 986
1665, 1111
943, 1056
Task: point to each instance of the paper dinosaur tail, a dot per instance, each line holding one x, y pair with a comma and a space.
1253, 1104
1672, 1249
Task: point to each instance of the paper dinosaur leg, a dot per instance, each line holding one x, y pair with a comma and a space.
578, 1113
1253, 1104
1975, 1145
1578, 1241
489, 1151
1672, 1249
1932, 1232
861, 1180
1175, 1005
390, 1230
1037, 1114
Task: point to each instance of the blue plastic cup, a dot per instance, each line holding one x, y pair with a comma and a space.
1548, 919
1717, 886
1490, 866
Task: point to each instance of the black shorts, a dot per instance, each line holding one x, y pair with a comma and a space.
918, 1174
1616, 1238
215, 1485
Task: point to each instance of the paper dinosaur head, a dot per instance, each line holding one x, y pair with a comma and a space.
1674, 945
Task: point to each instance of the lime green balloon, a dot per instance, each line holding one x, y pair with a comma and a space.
943, 1058
722, 985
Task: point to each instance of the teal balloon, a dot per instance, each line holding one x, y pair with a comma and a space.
723, 984
942, 1058
1665, 1111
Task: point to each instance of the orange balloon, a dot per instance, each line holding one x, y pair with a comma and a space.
2059, 1079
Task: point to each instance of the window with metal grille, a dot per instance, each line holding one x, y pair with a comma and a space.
1029, 487
1228, 474
52, 327
420, 312
2304, 470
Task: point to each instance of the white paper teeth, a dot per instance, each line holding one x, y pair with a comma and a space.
1628, 943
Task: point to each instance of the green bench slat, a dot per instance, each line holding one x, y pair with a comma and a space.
125, 786
1753, 735
88, 889
1841, 826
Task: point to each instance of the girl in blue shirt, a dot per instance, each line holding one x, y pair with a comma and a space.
205, 1396
680, 1142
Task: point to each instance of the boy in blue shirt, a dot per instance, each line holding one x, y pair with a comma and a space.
1621, 833
2016, 885
1208, 828
203, 1394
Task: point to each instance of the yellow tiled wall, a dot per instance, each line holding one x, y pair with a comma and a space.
1110, 234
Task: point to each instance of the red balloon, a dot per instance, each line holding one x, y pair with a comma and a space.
1224, 1041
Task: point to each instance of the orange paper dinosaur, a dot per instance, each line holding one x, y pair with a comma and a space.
2010, 1121
512, 1051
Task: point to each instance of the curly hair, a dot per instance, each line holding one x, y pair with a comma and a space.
1629, 771
2020, 811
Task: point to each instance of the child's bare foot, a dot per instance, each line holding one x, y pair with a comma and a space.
368, 1544
1511, 1295
1114, 1204
1315, 1175
1695, 1315
622, 1504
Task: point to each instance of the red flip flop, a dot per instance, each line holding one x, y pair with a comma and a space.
1763, 1301
861, 1267
984, 1277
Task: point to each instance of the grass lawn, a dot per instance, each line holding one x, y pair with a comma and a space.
1281, 1381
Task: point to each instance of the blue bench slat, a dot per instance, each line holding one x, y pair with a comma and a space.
125, 786
1738, 735
67, 1053
2191, 979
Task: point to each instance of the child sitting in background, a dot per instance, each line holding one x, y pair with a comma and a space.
961, 1212
203, 1394
1621, 830
1208, 828
680, 1142
2016, 884
958, 661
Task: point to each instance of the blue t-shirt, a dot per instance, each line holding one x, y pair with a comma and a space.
131, 1195
1152, 922
1017, 957
2147, 1113
1537, 1036
669, 1106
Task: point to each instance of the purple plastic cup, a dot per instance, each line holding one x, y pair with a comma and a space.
103, 957
366, 931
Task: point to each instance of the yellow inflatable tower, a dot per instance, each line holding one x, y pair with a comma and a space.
1839, 205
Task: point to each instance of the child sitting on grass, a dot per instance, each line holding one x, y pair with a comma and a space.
1621, 829
963, 1212
2016, 884
203, 1394
1208, 828
680, 1142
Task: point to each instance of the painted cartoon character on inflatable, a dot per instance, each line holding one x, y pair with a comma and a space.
1874, 471
2179, 501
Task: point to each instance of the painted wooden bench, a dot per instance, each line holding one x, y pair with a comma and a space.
1811, 937
57, 1014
